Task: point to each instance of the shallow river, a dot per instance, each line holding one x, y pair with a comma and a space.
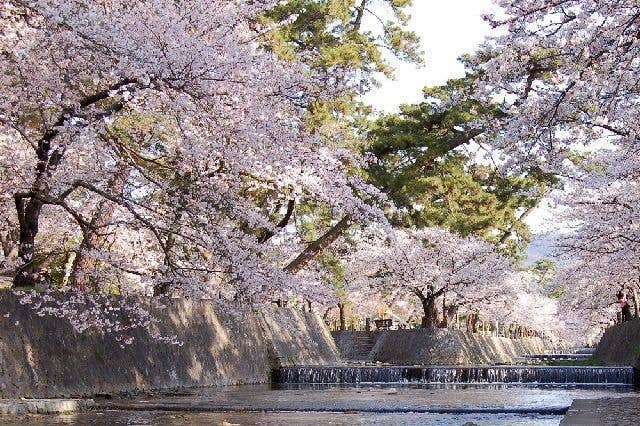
340, 405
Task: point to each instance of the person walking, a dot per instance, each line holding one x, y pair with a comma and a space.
624, 305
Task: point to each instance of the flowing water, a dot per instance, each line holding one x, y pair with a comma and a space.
467, 374
370, 395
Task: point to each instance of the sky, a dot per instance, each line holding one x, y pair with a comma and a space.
448, 29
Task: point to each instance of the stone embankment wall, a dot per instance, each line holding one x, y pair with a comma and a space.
222, 345
442, 347
620, 345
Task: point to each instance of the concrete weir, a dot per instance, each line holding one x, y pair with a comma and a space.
456, 374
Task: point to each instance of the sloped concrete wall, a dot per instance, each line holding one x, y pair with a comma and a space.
445, 347
620, 345
222, 345
346, 344
298, 338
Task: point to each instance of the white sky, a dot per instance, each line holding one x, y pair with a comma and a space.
447, 29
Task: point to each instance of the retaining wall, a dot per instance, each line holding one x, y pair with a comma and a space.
346, 343
222, 345
620, 345
443, 347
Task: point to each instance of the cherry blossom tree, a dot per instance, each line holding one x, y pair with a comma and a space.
566, 71
566, 75
160, 144
431, 264
526, 305
599, 243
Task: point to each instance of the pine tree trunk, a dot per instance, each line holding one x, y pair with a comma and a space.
317, 246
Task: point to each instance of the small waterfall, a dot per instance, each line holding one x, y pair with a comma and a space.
474, 374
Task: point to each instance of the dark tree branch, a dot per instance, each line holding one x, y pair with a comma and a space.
317, 246
283, 222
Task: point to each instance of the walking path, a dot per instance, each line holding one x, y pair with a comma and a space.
604, 411
44, 406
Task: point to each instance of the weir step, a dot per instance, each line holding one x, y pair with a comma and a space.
561, 356
453, 374
584, 351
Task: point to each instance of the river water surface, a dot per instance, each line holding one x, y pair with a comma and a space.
341, 405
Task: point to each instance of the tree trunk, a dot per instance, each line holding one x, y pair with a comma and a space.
359, 14
429, 308
163, 288
449, 316
49, 158
28, 273
449, 313
267, 234
96, 236
343, 322
317, 246
325, 316
430, 311
636, 302
28, 208
472, 322
10, 241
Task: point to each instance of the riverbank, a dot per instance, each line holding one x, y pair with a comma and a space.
436, 347
620, 345
222, 344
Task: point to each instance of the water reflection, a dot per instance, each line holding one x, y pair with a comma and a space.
107, 418
340, 404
